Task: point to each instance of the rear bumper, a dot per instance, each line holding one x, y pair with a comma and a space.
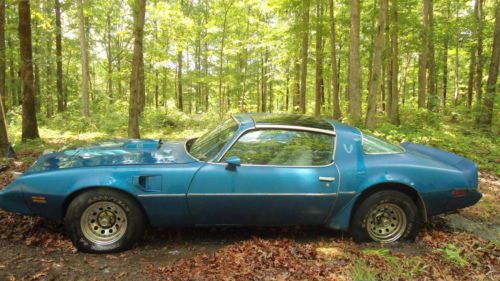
470, 198
13, 201
445, 201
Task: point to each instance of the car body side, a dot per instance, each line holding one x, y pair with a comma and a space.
432, 182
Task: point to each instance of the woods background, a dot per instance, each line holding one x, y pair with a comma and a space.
83, 66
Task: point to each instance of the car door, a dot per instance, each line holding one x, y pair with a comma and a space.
286, 176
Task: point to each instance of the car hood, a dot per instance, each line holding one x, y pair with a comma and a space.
115, 153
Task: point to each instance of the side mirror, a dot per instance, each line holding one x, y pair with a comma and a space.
233, 162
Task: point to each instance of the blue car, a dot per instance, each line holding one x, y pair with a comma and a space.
253, 169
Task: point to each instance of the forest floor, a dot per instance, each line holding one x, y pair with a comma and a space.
460, 246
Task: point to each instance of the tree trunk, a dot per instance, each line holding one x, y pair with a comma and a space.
4, 139
422, 57
30, 125
13, 87
48, 66
109, 57
264, 85
59, 70
319, 58
180, 102
432, 102
354, 85
3, 87
394, 110
445, 60
457, 77
337, 114
287, 87
296, 85
305, 46
470, 84
491, 84
373, 84
137, 77
84, 60
479, 54
221, 56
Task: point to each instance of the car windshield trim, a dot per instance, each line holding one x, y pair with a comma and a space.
230, 127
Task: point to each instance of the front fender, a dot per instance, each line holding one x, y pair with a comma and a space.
46, 193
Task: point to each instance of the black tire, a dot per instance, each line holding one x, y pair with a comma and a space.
134, 216
360, 219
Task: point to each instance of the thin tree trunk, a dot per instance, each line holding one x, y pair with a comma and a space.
373, 83
264, 85
445, 61
319, 58
137, 77
84, 60
29, 124
478, 85
405, 78
457, 62
221, 56
337, 114
304, 55
48, 67
36, 76
354, 85
59, 70
394, 110
4, 139
3, 87
287, 86
422, 57
296, 85
180, 102
470, 84
13, 88
491, 84
432, 102
109, 57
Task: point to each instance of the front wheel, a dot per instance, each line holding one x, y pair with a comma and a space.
104, 221
385, 216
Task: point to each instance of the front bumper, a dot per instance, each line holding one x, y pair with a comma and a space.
12, 200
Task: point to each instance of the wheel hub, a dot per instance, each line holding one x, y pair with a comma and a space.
386, 222
103, 222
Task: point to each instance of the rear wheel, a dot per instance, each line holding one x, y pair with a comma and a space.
386, 216
104, 221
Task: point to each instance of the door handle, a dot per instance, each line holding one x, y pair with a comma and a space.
328, 179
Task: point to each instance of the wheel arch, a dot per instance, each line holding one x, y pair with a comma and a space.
82, 190
408, 190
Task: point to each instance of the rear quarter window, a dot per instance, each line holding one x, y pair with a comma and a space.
374, 145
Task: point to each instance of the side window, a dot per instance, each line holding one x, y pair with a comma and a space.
283, 148
373, 145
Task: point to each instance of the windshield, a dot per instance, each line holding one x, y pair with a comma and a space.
207, 146
374, 145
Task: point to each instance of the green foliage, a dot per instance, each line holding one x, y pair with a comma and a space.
455, 255
362, 272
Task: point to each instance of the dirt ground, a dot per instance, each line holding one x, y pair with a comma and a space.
454, 246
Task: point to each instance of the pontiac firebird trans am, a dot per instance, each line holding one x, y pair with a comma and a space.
253, 169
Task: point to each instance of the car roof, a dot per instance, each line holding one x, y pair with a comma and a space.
259, 119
